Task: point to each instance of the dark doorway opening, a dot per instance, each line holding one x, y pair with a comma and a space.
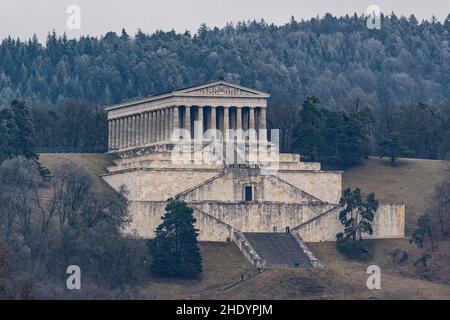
248, 195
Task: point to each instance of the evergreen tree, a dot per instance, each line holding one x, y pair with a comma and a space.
175, 249
8, 131
345, 142
17, 135
391, 147
308, 139
357, 215
423, 232
24, 136
423, 238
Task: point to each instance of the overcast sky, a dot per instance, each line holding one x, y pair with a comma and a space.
23, 18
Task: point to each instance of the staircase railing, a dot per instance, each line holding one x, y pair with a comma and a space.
316, 263
247, 250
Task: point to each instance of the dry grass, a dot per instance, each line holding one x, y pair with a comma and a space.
410, 181
223, 266
95, 163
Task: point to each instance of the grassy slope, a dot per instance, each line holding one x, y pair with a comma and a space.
95, 163
411, 182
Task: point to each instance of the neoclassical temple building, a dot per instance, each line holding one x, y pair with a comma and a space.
214, 106
268, 214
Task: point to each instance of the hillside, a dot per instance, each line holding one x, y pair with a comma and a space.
411, 182
95, 163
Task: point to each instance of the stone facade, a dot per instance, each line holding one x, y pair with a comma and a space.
227, 199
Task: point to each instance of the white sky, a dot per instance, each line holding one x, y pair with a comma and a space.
23, 18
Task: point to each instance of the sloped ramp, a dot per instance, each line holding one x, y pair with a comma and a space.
278, 249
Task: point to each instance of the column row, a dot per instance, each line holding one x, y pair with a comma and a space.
223, 118
157, 125
142, 128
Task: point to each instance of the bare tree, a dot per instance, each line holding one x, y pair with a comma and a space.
440, 209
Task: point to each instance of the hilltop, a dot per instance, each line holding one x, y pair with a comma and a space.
411, 181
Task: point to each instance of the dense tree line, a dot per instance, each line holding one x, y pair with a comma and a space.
73, 126
400, 73
338, 60
334, 138
342, 138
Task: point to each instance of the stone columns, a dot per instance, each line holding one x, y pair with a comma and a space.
176, 118
122, 132
163, 124
199, 128
150, 127
158, 125
132, 131
115, 134
251, 110
213, 117
262, 122
167, 124
117, 139
226, 121
128, 128
135, 130
187, 119
171, 113
263, 118
144, 134
143, 127
137, 141
154, 122
119, 133
110, 134
238, 117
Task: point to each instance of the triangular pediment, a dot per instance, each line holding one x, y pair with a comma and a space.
222, 88
214, 89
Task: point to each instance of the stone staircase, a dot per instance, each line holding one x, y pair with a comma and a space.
278, 250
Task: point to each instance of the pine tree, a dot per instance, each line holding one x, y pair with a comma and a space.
308, 136
391, 147
175, 250
8, 131
17, 136
24, 136
357, 215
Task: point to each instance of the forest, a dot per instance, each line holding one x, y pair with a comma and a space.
400, 74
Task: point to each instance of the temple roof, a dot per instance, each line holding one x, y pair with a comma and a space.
219, 88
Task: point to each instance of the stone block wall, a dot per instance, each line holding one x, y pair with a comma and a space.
389, 222
325, 185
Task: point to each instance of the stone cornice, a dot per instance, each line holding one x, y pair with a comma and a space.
208, 94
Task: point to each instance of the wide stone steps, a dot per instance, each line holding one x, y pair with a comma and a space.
278, 249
